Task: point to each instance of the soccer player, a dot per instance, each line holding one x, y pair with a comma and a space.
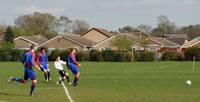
43, 63
28, 62
59, 66
73, 65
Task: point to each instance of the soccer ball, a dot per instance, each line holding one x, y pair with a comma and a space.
188, 82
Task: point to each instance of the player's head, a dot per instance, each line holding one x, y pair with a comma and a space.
58, 58
73, 51
42, 50
32, 48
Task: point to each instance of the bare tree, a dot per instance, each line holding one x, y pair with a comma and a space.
144, 28
38, 23
80, 26
65, 25
164, 26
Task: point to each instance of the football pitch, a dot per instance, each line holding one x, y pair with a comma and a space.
109, 82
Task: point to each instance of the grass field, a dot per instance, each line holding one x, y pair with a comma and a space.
110, 82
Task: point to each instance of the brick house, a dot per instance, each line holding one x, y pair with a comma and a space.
24, 42
68, 41
193, 43
97, 35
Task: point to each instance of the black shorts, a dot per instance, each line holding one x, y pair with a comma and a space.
62, 73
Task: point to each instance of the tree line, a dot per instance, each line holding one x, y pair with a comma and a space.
49, 25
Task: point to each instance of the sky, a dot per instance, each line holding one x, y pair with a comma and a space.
108, 14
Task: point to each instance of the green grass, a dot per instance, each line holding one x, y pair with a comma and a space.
110, 82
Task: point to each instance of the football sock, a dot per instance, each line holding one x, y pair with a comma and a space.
75, 80
68, 79
19, 80
45, 75
48, 74
32, 89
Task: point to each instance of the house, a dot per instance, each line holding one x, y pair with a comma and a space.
107, 43
179, 39
97, 35
68, 41
193, 43
24, 42
161, 44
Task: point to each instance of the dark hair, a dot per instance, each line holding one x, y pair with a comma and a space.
72, 49
32, 46
42, 48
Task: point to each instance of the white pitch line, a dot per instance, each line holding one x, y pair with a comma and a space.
67, 92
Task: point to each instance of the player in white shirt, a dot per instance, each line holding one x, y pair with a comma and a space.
59, 66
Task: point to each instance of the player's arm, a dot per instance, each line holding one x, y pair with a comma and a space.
39, 60
33, 63
62, 62
37, 67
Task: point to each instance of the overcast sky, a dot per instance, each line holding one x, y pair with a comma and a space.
108, 14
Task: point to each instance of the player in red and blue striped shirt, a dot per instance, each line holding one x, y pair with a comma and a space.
28, 62
43, 63
73, 65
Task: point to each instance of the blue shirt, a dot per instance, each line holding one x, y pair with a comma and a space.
42, 59
29, 59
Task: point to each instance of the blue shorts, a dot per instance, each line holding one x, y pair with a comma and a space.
44, 67
29, 74
73, 68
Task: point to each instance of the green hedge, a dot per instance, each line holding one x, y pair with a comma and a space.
107, 55
95, 55
11, 54
192, 52
144, 56
171, 56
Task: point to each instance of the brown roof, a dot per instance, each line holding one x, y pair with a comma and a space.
176, 36
36, 38
179, 41
101, 30
79, 39
192, 42
164, 41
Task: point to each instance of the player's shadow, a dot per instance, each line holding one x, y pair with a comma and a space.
10, 94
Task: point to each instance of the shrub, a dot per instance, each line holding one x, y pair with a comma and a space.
119, 57
170, 56
95, 55
128, 56
149, 56
16, 55
144, 56
52, 56
192, 52
108, 55
80, 56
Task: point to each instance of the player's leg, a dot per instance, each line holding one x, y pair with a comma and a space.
45, 75
76, 72
67, 77
48, 74
34, 82
76, 79
33, 85
20, 80
62, 74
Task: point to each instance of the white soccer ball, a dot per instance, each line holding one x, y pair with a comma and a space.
188, 82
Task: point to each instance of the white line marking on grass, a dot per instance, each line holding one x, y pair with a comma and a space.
67, 92
165, 66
